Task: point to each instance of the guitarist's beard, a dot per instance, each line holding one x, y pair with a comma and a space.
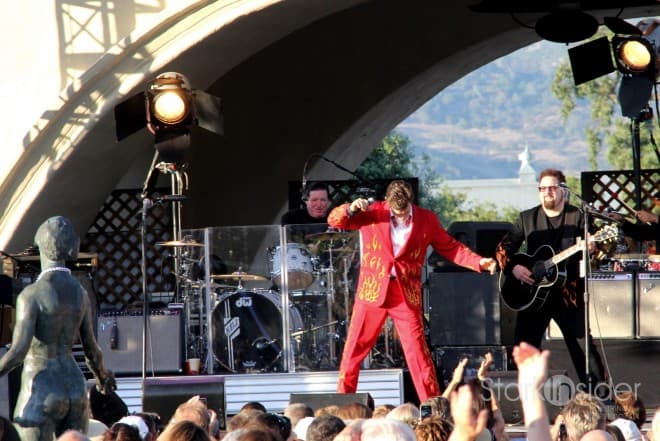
551, 204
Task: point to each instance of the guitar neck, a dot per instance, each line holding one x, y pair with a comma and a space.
565, 254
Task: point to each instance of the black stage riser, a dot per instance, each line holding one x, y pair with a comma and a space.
163, 395
320, 400
632, 363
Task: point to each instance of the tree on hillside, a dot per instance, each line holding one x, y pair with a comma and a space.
608, 130
395, 157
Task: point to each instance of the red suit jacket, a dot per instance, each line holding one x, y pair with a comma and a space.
377, 253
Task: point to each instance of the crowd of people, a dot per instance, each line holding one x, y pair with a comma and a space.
467, 410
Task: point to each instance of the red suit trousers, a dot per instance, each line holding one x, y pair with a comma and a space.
365, 326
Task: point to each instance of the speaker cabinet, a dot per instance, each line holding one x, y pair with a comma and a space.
648, 299
164, 350
557, 391
319, 400
482, 237
162, 395
611, 306
464, 309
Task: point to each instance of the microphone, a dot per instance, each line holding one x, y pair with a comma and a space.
114, 335
564, 185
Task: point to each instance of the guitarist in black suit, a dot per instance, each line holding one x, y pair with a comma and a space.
556, 224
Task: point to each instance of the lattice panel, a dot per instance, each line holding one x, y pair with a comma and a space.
115, 236
608, 188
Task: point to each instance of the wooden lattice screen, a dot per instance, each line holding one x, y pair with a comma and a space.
115, 236
605, 189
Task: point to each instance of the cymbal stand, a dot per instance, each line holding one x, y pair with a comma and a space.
330, 299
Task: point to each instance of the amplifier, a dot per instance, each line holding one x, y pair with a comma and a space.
120, 339
648, 299
611, 306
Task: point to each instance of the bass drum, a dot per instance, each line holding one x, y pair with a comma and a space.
247, 331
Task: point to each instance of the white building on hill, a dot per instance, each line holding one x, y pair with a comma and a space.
520, 192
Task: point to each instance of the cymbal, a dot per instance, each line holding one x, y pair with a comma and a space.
330, 235
180, 243
238, 276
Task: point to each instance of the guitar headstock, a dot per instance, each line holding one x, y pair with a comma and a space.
606, 233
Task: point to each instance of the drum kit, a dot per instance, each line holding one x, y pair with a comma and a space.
246, 324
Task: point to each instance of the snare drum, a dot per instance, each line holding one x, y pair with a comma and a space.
247, 331
299, 266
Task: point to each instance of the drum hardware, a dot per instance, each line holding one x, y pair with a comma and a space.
247, 331
299, 266
330, 235
180, 243
240, 276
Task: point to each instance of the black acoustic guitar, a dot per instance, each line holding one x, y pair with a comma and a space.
544, 265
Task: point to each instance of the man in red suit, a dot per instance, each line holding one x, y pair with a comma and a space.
395, 235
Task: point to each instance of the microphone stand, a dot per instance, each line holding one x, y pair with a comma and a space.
339, 166
585, 271
147, 203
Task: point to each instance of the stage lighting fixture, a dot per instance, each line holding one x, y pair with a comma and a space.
169, 108
633, 55
169, 102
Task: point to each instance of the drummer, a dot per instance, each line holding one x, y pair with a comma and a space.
648, 225
313, 216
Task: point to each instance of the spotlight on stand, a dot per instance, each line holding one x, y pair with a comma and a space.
637, 59
169, 109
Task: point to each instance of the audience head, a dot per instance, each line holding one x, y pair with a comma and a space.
386, 429
278, 425
352, 431
331, 409
596, 435
193, 410
352, 411
382, 410
407, 413
68, 435
582, 414
257, 435
120, 431
297, 411
628, 429
184, 431
631, 407
253, 405
433, 428
323, 428
615, 432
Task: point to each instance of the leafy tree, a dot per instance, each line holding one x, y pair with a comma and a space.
395, 157
607, 130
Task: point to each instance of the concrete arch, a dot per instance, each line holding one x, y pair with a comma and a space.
296, 77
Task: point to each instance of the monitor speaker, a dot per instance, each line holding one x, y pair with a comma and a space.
319, 400
557, 391
611, 306
120, 339
163, 395
464, 309
648, 299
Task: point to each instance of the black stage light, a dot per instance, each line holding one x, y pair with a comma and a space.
633, 55
169, 108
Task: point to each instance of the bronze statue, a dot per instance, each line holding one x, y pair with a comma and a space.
49, 314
